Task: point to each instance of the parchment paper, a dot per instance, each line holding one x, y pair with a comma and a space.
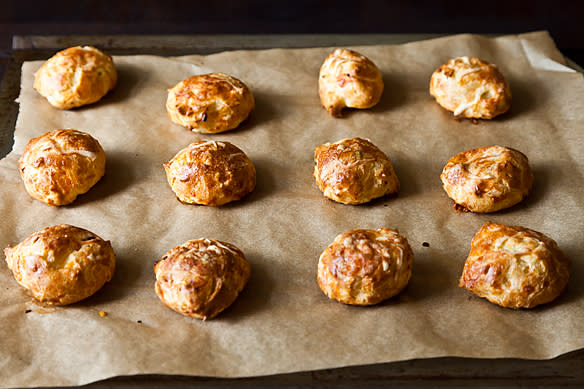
282, 322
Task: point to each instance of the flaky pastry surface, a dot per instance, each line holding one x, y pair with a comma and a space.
487, 179
515, 267
210, 103
348, 79
353, 171
59, 165
62, 264
471, 88
210, 173
76, 76
365, 267
201, 277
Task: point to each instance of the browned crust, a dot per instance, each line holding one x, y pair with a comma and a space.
353, 171
348, 79
201, 277
210, 103
59, 165
365, 267
76, 76
515, 267
471, 88
210, 173
487, 179
62, 264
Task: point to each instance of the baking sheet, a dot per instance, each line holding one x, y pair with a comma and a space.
282, 322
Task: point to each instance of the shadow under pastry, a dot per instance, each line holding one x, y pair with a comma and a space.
128, 77
542, 182
121, 285
430, 279
118, 177
254, 297
263, 112
265, 184
394, 94
575, 289
523, 101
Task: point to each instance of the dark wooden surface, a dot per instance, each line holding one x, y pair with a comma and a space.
562, 18
564, 371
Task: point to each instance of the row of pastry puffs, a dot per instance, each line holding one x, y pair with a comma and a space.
60, 165
217, 102
509, 265
512, 266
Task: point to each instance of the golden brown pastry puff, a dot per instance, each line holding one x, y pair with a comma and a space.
76, 76
210, 173
201, 277
62, 264
59, 165
353, 171
471, 88
209, 103
487, 179
348, 79
365, 267
514, 267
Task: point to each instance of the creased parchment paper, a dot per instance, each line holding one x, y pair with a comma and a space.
282, 322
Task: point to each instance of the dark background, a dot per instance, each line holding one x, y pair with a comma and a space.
562, 18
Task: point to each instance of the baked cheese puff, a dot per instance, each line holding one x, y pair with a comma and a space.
365, 267
62, 264
514, 267
353, 171
348, 79
471, 88
201, 277
210, 173
60, 165
210, 103
75, 77
487, 179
